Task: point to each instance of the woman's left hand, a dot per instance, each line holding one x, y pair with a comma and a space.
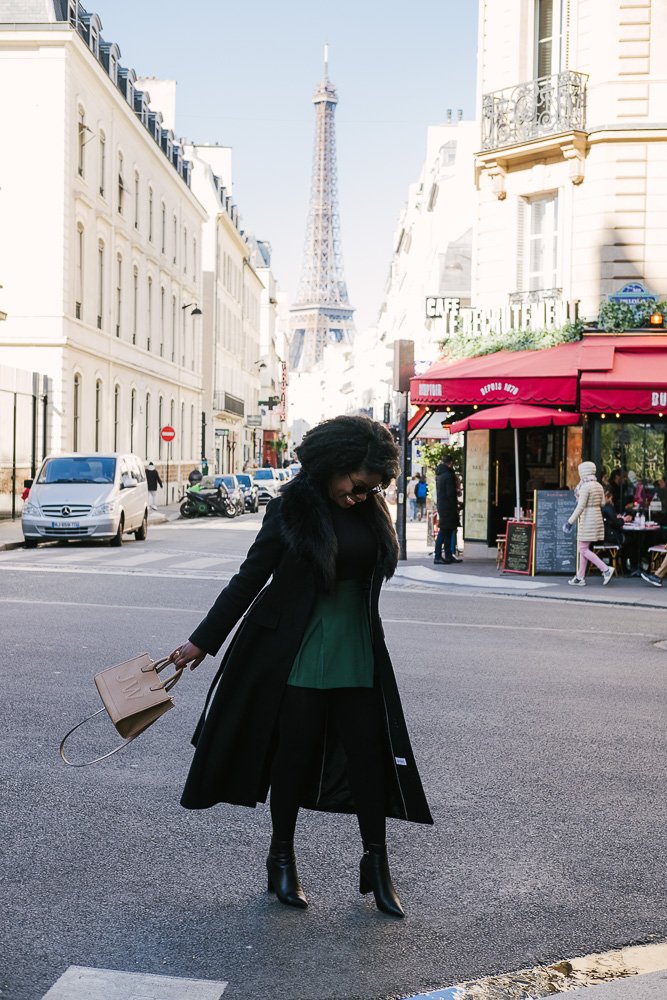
187, 653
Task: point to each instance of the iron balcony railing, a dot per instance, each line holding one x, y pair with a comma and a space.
546, 106
224, 402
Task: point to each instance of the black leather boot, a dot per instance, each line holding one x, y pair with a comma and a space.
283, 878
375, 877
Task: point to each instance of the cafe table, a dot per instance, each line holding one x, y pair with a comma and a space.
637, 533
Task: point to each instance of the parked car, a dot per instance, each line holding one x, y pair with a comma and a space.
86, 496
235, 491
267, 482
250, 491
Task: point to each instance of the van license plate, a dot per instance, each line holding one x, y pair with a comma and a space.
65, 524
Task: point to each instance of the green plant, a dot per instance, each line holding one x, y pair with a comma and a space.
615, 317
433, 452
461, 345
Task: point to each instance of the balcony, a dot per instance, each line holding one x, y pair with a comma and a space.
549, 106
224, 402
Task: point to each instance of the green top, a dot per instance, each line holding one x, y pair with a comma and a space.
336, 650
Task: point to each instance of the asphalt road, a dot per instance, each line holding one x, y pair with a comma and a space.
539, 727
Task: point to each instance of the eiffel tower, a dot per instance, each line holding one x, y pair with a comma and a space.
322, 313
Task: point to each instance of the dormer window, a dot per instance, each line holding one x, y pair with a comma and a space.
73, 13
95, 41
129, 93
113, 68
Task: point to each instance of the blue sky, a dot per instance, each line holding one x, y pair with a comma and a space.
246, 73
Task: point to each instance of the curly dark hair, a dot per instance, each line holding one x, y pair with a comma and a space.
346, 444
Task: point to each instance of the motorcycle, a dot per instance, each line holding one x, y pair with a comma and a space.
198, 503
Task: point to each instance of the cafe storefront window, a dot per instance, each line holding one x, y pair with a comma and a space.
637, 447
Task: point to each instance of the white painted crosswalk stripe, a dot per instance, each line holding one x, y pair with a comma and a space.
80, 983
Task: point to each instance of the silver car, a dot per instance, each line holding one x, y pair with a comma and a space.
87, 496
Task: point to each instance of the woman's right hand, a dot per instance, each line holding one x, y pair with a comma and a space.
187, 653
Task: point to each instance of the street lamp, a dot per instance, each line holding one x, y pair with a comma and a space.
196, 311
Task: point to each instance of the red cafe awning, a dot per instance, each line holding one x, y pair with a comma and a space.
636, 382
514, 415
626, 373
548, 377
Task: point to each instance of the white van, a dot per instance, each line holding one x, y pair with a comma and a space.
86, 496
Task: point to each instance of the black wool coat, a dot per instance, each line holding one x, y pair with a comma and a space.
292, 559
447, 497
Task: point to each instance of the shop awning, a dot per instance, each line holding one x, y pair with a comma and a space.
603, 372
514, 415
635, 383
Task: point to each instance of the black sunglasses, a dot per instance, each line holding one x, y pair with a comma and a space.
360, 489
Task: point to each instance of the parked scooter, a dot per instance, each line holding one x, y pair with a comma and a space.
216, 503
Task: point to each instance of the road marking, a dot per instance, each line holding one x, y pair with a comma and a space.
80, 983
113, 607
386, 621
177, 573
142, 557
518, 628
205, 562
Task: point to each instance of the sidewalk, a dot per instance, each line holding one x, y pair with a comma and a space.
481, 574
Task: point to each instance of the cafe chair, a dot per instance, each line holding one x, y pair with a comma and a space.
610, 554
500, 550
656, 554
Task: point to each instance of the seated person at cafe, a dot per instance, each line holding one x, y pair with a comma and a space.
613, 522
655, 579
619, 490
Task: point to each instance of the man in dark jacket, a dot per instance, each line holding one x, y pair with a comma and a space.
152, 482
448, 512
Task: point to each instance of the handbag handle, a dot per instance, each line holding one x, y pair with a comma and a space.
165, 686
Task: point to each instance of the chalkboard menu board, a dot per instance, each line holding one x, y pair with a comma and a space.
519, 547
555, 552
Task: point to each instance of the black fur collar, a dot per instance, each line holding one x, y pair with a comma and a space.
308, 529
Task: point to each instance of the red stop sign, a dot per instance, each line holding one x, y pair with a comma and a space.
167, 433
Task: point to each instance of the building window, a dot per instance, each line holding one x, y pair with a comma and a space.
148, 424
76, 413
98, 414
162, 300
541, 255
163, 228
175, 239
121, 184
150, 313
173, 328
113, 68
182, 431
136, 199
160, 419
81, 143
133, 416
135, 302
119, 292
73, 13
550, 32
194, 258
185, 251
100, 283
116, 417
95, 41
192, 432
183, 312
78, 291
150, 214
103, 161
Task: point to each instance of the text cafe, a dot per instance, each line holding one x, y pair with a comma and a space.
615, 384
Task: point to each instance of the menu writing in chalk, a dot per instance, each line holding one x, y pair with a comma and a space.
555, 552
519, 547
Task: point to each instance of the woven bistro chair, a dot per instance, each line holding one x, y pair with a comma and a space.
608, 553
656, 554
500, 550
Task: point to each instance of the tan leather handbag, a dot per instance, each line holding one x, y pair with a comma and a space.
133, 697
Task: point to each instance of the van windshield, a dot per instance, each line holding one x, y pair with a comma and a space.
264, 474
79, 469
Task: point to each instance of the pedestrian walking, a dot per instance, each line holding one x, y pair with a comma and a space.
412, 498
421, 492
305, 701
588, 515
447, 500
152, 482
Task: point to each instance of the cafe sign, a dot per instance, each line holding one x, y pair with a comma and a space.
548, 314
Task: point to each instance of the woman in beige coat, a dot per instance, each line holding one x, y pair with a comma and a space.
588, 512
